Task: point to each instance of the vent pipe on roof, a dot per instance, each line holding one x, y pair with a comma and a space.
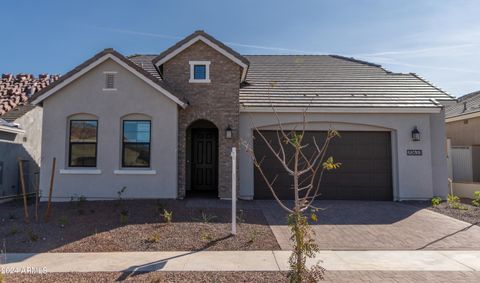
464, 106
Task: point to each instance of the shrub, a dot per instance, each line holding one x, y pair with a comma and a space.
155, 238
167, 216
454, 202
205, 218
436, 201
205, 236
241, 216
252, 237
476, 198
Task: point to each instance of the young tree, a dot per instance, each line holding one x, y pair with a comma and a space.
305, 161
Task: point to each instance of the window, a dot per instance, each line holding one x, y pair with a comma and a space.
110, 81
136, 143
83, 143
199, 71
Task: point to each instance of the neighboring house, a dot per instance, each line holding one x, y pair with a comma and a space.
463, 120
20, 132
463, 133
164, 125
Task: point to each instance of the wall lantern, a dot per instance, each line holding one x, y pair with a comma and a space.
228, 132
415, 134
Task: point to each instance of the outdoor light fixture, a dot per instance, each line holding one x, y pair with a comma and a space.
228, 132
415, 134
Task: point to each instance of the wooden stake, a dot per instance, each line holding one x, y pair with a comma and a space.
24, 192
49, 205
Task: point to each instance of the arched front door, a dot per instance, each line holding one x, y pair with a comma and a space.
203, 157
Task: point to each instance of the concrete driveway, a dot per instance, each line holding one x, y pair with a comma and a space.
365, 225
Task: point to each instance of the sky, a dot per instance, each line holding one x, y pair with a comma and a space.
437, 39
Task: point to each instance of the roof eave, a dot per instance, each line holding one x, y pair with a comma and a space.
210, 41
367, 110
96, 60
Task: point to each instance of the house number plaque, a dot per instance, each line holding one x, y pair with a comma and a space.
414, 152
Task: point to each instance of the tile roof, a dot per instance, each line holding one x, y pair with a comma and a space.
332, 81
145, 62
16, 91
326, 81
467, 104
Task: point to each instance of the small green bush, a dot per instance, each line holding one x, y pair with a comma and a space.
167, 216
206, 218
155, 238
205, 236
436, 201
476, 198
454, 202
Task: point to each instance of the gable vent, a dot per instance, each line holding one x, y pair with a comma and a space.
110, 80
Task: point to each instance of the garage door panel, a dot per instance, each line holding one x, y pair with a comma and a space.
365, 173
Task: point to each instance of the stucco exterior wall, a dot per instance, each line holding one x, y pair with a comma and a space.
133, 96
464, 132
27, 146
217, 102
413, 176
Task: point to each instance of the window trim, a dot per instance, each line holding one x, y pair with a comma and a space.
149, 144
70, 143
192, 71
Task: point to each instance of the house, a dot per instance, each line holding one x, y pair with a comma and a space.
163, 125
463, 120
463, 134
20, 132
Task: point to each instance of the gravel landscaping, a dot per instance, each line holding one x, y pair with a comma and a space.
227, 277
133, 225
470, 215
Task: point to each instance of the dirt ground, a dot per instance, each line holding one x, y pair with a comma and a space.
227, 277
133, 225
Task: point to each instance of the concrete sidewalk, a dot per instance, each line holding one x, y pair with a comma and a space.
243, 261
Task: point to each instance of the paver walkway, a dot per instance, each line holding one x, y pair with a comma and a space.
367, 225
244, 261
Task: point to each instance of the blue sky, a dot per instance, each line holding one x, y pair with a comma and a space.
439, 40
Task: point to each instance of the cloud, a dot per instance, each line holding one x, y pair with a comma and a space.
148, 34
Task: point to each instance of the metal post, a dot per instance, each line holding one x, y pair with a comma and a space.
234, 191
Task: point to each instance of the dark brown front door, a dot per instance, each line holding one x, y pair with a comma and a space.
204, 159
365, 173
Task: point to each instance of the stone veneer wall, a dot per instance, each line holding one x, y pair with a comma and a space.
217, 102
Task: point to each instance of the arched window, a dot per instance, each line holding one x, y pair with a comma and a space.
82, 141
136, 139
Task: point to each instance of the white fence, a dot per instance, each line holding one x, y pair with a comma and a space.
462, 165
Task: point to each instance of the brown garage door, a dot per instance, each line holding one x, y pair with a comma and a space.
365, 174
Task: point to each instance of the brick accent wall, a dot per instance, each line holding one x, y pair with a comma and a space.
217, 102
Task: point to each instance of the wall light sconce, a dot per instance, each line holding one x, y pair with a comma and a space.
228, 132
415, 134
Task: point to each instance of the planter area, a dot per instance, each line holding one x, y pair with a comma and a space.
132, 225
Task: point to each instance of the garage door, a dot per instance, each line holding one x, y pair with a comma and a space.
365, 174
